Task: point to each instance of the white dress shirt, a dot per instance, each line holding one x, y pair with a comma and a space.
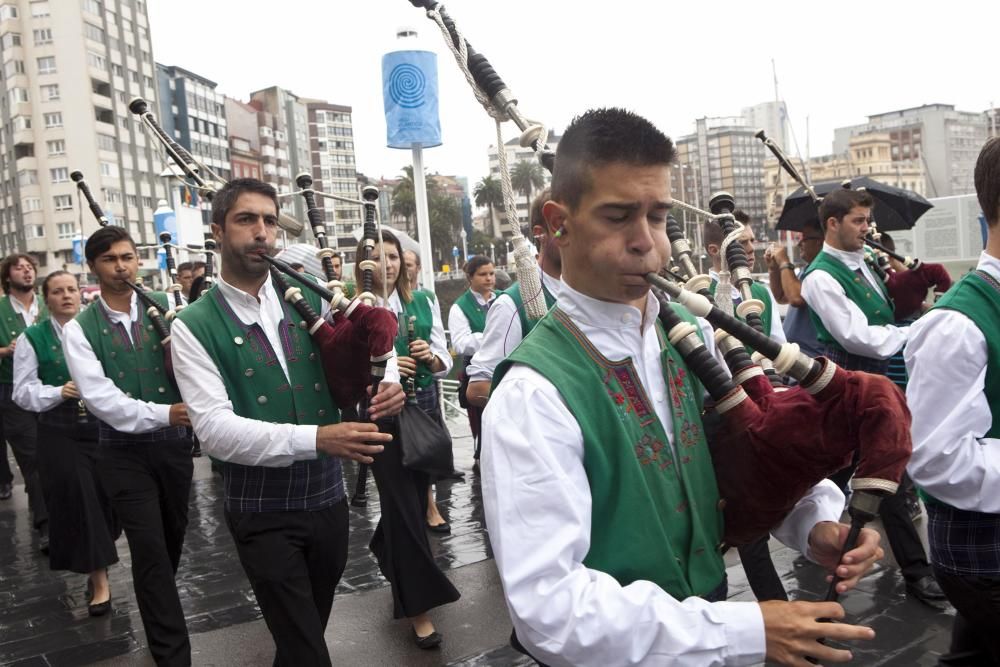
777, 328
222, 433
464, 340
103, 397
502, 334
538, 509
946, 360
29, 314
843, 318
438, 342
29, 392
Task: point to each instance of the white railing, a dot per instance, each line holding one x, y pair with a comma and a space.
449, 399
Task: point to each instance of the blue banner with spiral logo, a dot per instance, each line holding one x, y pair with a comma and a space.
410, 96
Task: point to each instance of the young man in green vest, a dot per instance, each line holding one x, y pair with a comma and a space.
953, 359
598, 487
507, 322
260, 403
118, 365
19, 308
853, 315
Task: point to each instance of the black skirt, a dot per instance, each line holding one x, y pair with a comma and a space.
82, 529
400, 541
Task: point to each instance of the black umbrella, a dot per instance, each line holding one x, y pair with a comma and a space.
895, 208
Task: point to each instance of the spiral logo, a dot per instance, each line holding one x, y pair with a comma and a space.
406, 85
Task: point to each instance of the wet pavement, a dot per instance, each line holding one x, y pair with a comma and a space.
43, 615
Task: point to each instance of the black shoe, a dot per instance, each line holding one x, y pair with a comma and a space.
441, 528
5, 491
433, 640
927, 590
475, 467
99, 609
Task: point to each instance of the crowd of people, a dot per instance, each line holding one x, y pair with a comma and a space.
590, 430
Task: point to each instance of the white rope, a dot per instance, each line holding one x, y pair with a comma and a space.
677, 203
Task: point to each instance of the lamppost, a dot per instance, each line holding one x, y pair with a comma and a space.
465, 251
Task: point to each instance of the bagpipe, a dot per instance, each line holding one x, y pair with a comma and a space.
762, 472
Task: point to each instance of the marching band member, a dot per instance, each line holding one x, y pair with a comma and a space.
853, 316
952, 359
119, 369
260, 403
81, 527
599, 491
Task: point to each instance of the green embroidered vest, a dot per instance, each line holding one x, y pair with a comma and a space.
250, 369
11, 326
514, 292
52, 369
655, 513
474, 313
420, 308
874, 303
759, 292
136, 368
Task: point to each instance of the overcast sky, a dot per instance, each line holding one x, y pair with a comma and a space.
669, 61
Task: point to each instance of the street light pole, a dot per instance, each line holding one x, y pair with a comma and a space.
465, 251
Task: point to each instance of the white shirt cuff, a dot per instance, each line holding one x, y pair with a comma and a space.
304, 442
744, 623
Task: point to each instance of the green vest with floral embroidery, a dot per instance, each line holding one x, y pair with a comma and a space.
420, 309
11, 326
874, 303
137, 367
655, 513
52, 369
254, 379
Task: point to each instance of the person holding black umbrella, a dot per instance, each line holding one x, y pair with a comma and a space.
853, 315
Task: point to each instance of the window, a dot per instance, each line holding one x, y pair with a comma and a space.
42, 36
131, 200
13, 67
102, 88
112, 196
8, 12
27, 177
91, 31
104, 115
36, 232
66, 230
17, 95
47, 65
10, 39
59, 175
21, 123
63, 202
40, 9
31, 204
147, 202
106, 142
92, 6
49, 92
56, 147
117, 70
53, 119
96, 60
109, 169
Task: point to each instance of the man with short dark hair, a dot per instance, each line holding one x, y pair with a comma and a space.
953, 358
185, 276
598, 487
786, 282
853, 315
260, 404
118, 365
19, 309
338, 265
412, 262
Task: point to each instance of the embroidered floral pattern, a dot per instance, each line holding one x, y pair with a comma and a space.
690, 434
650, 450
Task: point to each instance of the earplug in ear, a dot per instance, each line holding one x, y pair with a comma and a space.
560, 232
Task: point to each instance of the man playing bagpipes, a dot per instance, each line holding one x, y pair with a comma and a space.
952, 359
599, 491
260, 403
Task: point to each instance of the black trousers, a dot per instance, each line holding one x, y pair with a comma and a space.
294, 561
20, 427
903, 538
761, 575
975, 640
149, 484
6, 476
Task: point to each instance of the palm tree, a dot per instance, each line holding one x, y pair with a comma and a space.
488, 193
526, 176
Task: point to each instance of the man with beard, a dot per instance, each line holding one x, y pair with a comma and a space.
853, 316
19, 309
116, 361
260, 403
598, 487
